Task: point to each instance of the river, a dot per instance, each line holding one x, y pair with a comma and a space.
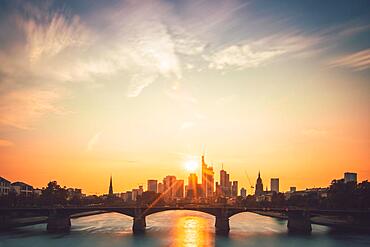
178, 228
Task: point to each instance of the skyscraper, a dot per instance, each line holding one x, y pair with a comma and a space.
234, 188
274, 185
179, 189
192, 186
169, 187
259, 185
225, 184
160, 187
110, 193
207, 179
152, 185
243, 192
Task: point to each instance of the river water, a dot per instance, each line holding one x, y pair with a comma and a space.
178, 228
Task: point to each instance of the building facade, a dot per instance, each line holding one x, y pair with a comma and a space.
22, 189
152, 185
207, 180
243, 192
191, 190
234, 189
5, 186
350, 177
259, 186
274, 185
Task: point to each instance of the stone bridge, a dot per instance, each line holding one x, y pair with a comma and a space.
59, 218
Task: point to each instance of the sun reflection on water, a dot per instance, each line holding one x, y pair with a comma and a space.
190, 232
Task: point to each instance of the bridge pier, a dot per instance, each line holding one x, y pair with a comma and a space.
58, 223
139, 224
299, 222
222, 222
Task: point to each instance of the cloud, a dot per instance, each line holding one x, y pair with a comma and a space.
240, 57
53, 35
288, 43
93, 141
21, 108
355, 61
255, 53
6, 143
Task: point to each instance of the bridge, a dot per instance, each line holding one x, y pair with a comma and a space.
59, 219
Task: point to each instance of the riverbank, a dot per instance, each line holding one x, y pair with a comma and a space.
338, 223
19, 222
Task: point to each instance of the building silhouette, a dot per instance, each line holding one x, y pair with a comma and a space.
259, 186
243, 192
191, 191
173, 188
234, 189
225, 184
274, 185
207, 180
350, 177
152, 185
110, 193
5, 186
160, 188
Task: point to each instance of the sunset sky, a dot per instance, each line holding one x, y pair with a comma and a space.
138, 89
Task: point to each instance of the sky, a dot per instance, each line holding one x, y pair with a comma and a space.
141, 89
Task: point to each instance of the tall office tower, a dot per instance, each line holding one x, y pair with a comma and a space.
169, 183
350, 177
234, 189
274, 185
152, 185
179, 189
225, 183
160, 188
259, 185
207, 179
243, 192
218, 190
192, 186
110, 193
134, 194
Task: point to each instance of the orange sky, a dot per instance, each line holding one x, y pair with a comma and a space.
137, 90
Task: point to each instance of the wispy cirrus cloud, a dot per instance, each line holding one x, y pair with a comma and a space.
51, 36
240, 57
356, 61
93, 141
287, 43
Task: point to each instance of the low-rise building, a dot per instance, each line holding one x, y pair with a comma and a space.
22, 189
5, 186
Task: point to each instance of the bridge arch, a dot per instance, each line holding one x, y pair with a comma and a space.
149, 212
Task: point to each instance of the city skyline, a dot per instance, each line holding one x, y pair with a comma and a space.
141, 89
171, 187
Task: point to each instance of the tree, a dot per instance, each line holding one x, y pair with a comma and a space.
54, 194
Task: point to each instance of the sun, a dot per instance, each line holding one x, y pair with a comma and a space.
191, 165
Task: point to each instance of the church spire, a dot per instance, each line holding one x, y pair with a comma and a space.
110, 187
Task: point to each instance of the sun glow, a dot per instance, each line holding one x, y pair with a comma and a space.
191, 165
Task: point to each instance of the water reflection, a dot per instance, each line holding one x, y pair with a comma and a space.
189, 232
177, 228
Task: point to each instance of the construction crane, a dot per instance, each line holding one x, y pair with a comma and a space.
252, 187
